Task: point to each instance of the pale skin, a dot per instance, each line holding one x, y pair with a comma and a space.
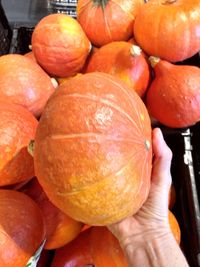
146, 238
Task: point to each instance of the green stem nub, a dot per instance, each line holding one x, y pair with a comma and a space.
31, 147
154, 61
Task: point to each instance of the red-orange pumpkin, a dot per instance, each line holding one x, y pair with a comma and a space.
174, 96
17, 128
31, 56
60, 45
93, 149
22, 229
174, 226
94, 247
105, 21
169, 29
125, 61
23, 82
60, 228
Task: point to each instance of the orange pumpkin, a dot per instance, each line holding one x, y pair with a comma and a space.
92, 52
94, 247
17, 128
174, 226
22, 229
60, 228
63, 80
23, 82
85, 227
31, 56
125, 61
169, 29
174, 96
60, 45
105, 21
93, 151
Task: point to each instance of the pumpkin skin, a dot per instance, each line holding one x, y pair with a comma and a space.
105, 21
60, 229
169, 29
60, 45
125, 61
23, 82
88, 149
174, 95
174, 226
94, 247
17, 128
22, 229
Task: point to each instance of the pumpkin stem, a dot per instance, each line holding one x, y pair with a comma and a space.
31, 147
154, 61
54, 82
168, 2
135, 50
147, 144
101, 3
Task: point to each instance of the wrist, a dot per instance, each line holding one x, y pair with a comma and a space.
148, 238
154, 249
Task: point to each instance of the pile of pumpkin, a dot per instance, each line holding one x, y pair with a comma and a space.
85, 95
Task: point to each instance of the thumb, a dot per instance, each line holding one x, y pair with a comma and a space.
162, 160
161, 176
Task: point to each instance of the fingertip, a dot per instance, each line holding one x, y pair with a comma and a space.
160, 148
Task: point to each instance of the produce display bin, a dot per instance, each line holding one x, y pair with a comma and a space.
15, 37
185, 170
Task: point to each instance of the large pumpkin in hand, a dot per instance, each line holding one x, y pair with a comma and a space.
93, 149
61, 229
25, 83
174, 96
169, 29
125, 61
94, 247
105, 21
17, 128
22, 229
60, 45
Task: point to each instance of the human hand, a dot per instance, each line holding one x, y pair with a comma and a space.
152, 219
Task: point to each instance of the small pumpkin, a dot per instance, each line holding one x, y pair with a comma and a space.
174, 95
94, 247
93, 152
24, 82
22, 229
125, 61
169, 29
60, 228
60, 45
105, 21
17, 128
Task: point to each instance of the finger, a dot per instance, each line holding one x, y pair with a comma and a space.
161, 176
162, 160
